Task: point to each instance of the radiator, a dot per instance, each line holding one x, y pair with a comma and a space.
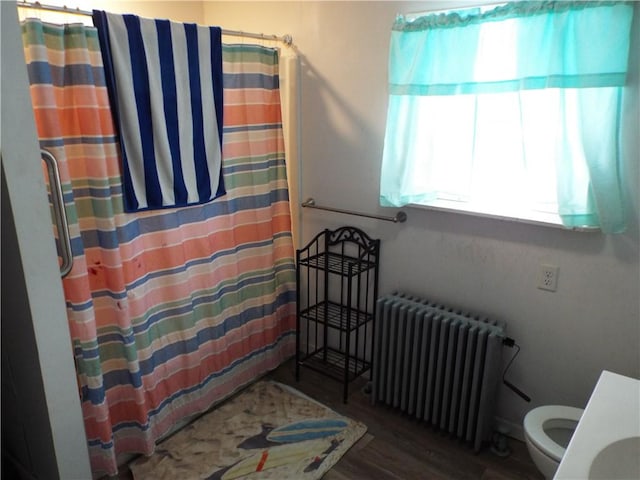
437, 365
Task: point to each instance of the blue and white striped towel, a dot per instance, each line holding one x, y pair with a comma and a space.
165, 85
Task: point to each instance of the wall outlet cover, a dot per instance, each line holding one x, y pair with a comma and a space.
548, 277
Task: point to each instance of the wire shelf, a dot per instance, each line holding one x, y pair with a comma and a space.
336, 315
333, 366
337, 263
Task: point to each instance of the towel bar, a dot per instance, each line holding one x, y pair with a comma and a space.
400, 217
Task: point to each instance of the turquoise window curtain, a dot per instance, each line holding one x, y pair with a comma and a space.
580, 49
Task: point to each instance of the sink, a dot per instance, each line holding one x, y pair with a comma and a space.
619, 460
606, 443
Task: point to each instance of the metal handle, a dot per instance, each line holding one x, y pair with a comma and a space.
59, 212
399, 217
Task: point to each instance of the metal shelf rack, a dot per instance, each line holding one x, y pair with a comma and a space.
337, 285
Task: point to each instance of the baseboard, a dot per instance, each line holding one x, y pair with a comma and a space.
510, 429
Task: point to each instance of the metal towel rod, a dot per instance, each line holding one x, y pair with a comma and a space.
400, 217
59, 212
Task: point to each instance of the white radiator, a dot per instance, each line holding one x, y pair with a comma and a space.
437, 365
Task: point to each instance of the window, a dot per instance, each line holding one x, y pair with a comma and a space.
512, 112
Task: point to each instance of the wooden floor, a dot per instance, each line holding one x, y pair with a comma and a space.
396, 447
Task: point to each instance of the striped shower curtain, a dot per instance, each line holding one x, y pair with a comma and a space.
170, 311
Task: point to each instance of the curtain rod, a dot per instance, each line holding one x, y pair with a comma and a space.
286, 39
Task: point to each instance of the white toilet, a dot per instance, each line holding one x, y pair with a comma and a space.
547, 432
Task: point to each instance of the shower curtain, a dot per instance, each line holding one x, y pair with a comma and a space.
170, 311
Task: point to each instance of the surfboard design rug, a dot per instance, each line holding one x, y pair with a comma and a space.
269, 431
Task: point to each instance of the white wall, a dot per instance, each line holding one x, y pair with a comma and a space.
488, 266
180, 11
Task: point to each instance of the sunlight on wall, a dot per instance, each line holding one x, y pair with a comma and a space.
180, 11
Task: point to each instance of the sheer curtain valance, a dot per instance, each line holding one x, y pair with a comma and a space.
529, 45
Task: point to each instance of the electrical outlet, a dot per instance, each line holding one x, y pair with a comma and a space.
548, 278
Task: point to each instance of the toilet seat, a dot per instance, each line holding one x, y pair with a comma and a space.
550, 416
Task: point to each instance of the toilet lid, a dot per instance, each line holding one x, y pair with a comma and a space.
534, 423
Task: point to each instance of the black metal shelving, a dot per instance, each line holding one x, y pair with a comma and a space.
337, 285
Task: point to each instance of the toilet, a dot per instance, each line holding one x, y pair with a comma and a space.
547, 431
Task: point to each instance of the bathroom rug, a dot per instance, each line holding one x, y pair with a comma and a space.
268, 431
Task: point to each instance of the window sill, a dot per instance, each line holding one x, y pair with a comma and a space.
531, 218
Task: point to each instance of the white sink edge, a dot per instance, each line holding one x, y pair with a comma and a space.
612, 414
